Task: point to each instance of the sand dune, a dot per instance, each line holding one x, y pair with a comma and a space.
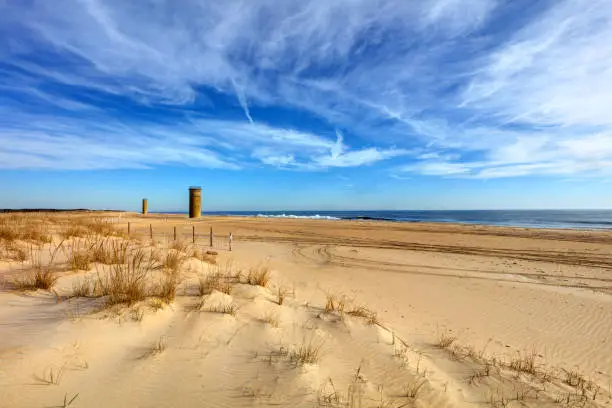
342, 314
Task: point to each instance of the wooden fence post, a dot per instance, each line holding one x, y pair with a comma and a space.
211, 237
151, 231
193, 233
128, 229
175, 232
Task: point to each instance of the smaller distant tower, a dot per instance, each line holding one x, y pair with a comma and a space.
145, 206
195, 202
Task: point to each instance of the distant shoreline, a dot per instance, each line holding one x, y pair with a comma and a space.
36, 210
585, 220
580, 220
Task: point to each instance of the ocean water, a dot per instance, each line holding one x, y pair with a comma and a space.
575, 219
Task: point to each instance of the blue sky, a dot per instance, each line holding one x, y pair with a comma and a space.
306, 104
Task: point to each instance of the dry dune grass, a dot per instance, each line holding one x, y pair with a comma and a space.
306, 353
344, 305
172, 260
40, 273
41, 278
166, 288
523, 379
214, 281
83, 237
159, 346
259, 276
335, 303
87, 287
73, 231
229, 309
101, 226
109, 251
207, 283
25, 228
52, 375
127, 283
13, 251
525, 363
87, 227
179, 245
78, 255
445, 339
8, 230
413, 388
281, 294
369, 315
221, 278
134, 280
128, 271
328, 396
69, 400
36, 233
210, 257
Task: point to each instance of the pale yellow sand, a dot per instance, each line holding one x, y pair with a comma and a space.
502, 292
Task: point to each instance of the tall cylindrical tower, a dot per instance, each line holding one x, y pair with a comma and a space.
145, 206
195, 202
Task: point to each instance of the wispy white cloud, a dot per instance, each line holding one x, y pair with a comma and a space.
359, 157
73, 145
555, 71
37, 141
322, 154
275, 160
453, 88
457, 16
586, 155
337, 148
242, 100
398, 177
161, 50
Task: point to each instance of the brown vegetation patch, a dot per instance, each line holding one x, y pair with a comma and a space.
259, 275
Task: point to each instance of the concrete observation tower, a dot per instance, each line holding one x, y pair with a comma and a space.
195, 202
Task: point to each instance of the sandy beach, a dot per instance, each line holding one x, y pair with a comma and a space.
306, 204
305, 313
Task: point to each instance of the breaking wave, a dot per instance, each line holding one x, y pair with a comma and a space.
312, 217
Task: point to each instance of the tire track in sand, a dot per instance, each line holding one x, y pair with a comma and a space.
322, 255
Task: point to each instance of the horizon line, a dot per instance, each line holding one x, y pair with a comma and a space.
35, 209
